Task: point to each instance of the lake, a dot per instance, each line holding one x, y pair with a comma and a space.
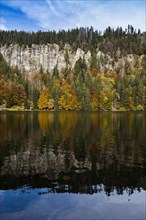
73, 165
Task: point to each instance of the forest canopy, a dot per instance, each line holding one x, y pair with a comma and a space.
128, 41
82, 87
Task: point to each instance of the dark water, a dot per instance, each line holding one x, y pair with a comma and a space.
72, 165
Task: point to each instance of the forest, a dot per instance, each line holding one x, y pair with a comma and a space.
83, 87
129, 41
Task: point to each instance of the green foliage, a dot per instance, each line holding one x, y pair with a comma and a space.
55, 73
9, 72
127, 41
84, 87
140, 108
66, 56
93, 61
12, 94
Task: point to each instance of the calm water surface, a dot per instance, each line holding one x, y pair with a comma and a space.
72, 165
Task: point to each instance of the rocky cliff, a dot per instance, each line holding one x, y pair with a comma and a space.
47, 56
50, 55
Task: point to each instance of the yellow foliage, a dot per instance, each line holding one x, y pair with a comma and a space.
51, 104
94, 103
68, 100
57, 83
43, 100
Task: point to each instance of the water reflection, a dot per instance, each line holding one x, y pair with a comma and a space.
73, 152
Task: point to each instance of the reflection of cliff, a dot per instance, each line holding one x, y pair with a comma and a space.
79, 150
43, 161
43, 167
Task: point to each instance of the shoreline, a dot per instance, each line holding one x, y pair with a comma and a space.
37, 110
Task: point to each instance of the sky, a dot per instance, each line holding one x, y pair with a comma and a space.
34, 15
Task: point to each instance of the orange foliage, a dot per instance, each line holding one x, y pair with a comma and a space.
68, 99
12, 94
95, 72
94, 100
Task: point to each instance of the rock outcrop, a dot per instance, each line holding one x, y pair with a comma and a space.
51, 55
45, 56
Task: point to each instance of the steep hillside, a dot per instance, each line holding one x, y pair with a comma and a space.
78, 69
50, 56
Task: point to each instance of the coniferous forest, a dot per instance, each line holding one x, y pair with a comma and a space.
83, 87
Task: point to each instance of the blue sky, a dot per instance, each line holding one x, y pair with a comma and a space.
33, 15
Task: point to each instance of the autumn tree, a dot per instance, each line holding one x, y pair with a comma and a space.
43, 99
68, 99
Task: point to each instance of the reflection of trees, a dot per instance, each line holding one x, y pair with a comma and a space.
11, 127
78, 150
112, 133
53, 187
42, 167
67, 124
18, 131
57, 127
45, 120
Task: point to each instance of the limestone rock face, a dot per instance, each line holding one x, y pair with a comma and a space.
50, 55
47, 56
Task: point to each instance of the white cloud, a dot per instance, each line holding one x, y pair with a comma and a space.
35, 10
102, 15
52, 8
59, 14
3, 24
